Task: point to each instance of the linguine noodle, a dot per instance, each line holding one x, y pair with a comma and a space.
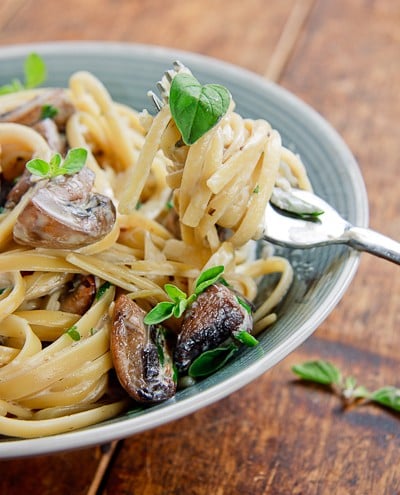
180, 210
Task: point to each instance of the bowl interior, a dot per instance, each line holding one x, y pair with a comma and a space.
321, 274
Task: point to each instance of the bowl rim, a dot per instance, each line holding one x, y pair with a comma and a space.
89, 436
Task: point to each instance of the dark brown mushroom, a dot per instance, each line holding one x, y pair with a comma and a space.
81, 295
215, 316
140, 354
64, 213
30, 112
18, 190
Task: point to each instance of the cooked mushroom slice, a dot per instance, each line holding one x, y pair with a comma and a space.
65, 214
31, 112
5, 188
215, 315
81, 296
48, 129
18, 190
140, 354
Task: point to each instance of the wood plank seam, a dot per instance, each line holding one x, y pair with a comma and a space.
288, 39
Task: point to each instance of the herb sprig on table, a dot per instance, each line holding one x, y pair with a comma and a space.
347, 388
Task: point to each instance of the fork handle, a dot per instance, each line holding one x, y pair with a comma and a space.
372, 242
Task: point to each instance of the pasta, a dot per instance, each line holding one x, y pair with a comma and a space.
179, 210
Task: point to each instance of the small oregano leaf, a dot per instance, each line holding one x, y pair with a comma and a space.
102, 290
210, 361
38, 167
195, 108
74, 161
318, 371
159, 313
387, 396
48, 111
207, 278
292, 205
174, 292
73, 333
35, 73
35, 70
246, 338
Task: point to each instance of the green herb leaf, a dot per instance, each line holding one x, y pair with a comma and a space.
102, 290
35, 71
54, 165
39, 167
48, 112
207, 278
318, 371
180, 307
195, 108
13, 87
74, 161
246, 338
73, 333
387, 396
159, 313
211, 361
292, 205
174, 292
244, 304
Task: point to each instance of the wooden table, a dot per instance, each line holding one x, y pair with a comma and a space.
274, 436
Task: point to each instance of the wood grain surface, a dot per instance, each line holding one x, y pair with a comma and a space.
276, 435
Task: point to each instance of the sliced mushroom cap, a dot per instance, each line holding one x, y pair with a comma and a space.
65, 214
30, 112
215, 315
140, 354
49, 130
81, 296
18, 190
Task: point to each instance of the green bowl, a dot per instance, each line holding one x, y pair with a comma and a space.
321, 274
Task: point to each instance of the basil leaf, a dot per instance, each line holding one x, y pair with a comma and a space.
74, 161
159, 313
73, 333
35, 71
207, 278
318, 371
174, 292
387, 396
246, 338
195, 108
211, 361
39, 167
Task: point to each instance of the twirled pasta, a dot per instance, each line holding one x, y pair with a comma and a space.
51, 383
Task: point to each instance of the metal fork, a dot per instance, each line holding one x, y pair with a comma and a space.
290, 231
